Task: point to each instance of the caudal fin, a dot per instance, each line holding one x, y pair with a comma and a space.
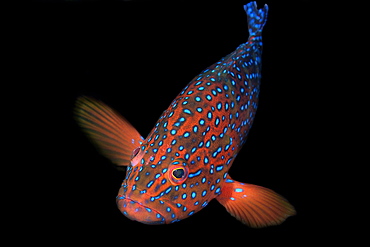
254, 205
256, 18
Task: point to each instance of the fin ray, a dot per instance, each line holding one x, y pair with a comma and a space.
254, 205
112, 134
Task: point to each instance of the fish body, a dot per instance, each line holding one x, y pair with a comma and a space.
183, 163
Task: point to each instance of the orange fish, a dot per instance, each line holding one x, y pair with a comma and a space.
183, 163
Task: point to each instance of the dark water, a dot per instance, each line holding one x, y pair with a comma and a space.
136, 57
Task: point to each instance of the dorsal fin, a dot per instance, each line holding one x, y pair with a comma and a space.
111, 133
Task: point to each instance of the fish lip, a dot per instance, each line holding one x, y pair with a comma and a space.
162, 218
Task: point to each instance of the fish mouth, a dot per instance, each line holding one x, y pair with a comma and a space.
136, 211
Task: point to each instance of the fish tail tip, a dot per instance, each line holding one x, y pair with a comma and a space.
256, 17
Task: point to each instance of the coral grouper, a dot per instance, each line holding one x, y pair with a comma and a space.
183, 163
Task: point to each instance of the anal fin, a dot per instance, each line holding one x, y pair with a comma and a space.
254, 205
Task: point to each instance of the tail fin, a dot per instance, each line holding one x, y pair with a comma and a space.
256, 18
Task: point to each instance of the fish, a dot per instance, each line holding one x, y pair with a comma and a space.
184, 162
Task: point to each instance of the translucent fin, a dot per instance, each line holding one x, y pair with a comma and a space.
254, 205
113, 135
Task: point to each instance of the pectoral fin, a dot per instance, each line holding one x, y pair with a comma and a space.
112, 134
254, 205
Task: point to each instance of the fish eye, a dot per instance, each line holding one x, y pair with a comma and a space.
135, 152
178, 172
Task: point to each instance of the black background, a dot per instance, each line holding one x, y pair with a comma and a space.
136, 56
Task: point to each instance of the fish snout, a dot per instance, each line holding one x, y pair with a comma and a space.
138, 212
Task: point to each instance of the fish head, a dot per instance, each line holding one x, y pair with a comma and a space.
160, 188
